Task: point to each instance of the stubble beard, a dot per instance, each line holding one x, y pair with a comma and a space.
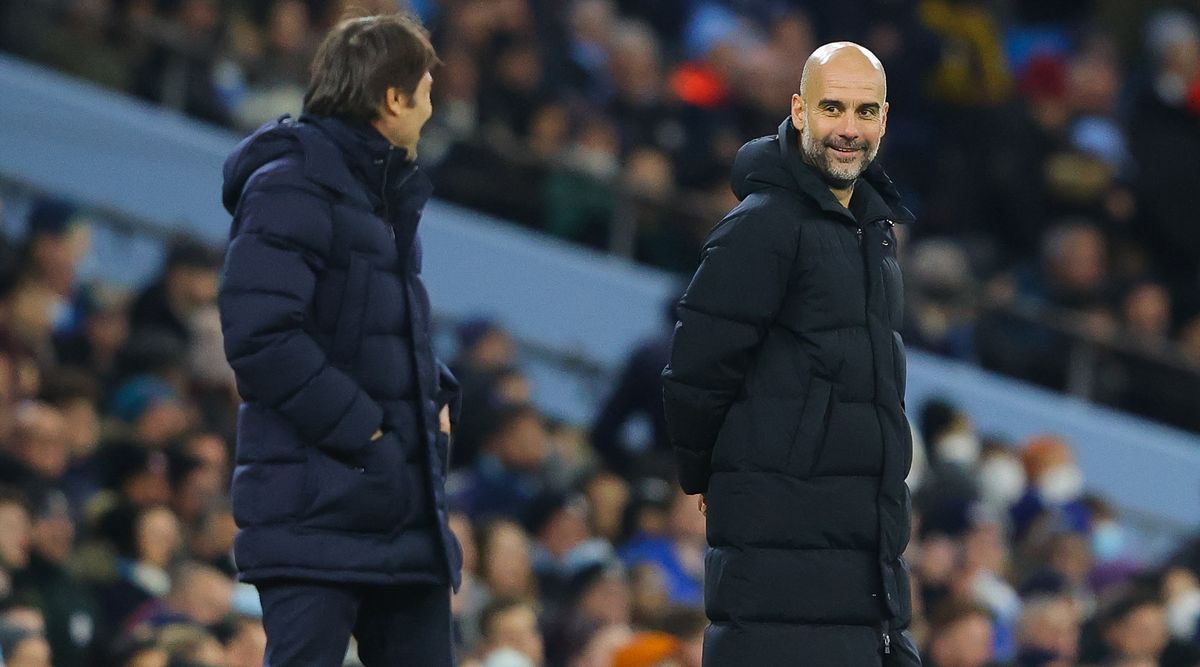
837, 175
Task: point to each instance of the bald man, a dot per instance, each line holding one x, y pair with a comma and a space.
785, 390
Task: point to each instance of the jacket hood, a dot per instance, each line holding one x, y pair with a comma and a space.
774, 161
268, 143
342, 156
760, 164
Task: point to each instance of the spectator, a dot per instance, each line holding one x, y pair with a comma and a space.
1181, 593
75, 394
509, 472
484, 350
961, 636
679, 554
135, 475
608, 497
472, 594
187, 284
511, 624
558, 523
1146, 314
941, 298
637, 394
1163, 123
146, 542
57, 241
246, 645
41, 444
199, 596
179, 72
151, 409
27, 309
274, 77
101, 331
83, 46
506, 561
1055, 489
190, 644
1048, 633
23, 648
1135, 627
15, 538
72, 617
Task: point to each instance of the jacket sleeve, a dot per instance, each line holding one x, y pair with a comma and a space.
723, 316
280, 243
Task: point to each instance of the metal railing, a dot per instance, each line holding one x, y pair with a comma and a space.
1154, 381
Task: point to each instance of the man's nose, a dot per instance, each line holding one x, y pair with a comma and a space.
849, 128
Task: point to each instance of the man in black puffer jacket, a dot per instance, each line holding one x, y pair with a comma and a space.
785, 390
339, 490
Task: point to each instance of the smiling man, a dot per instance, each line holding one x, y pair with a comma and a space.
784, 393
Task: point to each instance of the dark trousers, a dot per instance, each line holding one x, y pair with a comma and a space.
309, 624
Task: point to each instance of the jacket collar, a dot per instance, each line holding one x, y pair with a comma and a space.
368, 158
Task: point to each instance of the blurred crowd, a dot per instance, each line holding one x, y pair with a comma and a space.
117, 418
1048, 148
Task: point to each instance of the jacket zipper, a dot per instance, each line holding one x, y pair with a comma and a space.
387, 165
887, 639
387, 205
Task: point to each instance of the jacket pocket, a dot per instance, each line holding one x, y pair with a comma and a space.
348, 334
358, 493
809, 441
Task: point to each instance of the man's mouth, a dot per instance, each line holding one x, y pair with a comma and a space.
846, 150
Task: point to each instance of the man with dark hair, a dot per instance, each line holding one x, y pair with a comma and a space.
342, 437
960, 636
187, 283
511, 624
785, 391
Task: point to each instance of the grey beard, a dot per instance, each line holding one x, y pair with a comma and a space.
814, 154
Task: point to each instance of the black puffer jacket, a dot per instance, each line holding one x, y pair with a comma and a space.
784, 398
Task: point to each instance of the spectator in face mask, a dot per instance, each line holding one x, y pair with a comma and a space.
1001, 479
953, 446
1055, 487
1115, 559
1181, 591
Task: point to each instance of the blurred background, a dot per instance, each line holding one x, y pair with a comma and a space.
581, 151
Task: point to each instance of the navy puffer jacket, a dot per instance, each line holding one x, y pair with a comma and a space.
327, 327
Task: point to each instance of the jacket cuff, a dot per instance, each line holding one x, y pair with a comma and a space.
449, 392
354, 429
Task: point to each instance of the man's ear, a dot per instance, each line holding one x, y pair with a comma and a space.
394, 101
883, 119
797, 111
